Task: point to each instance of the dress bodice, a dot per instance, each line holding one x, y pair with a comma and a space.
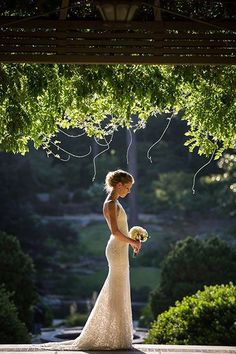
122, 220
117, 250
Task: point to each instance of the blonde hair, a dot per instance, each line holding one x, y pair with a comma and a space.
114, 177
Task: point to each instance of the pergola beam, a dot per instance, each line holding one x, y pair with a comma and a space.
74, 59
157, 10
91, 42
64, 9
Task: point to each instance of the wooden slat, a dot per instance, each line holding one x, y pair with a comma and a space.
192, 25
216, 51
78, 42
112, 34
45, 49
72, 24
30, 34
119, 42
80, 34
32, 41
75, 59
200, 36
197, 43
124, 50
156, 26
114, 43
106, 34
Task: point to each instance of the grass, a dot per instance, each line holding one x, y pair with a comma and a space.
95, 279
144, 277
139, 277
92, 243
94, 238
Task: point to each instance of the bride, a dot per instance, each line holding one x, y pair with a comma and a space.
109, 325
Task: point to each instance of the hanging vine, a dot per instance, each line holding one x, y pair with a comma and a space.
37, 101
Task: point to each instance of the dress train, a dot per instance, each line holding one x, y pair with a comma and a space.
109, 326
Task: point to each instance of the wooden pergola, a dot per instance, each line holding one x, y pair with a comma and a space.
79, 33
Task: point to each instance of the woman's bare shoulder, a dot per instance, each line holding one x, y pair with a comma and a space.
109, 204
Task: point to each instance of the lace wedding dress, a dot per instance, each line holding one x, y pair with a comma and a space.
109, 326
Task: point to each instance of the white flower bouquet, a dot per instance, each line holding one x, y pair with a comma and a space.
138, 233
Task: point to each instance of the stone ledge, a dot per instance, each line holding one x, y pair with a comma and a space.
142, 348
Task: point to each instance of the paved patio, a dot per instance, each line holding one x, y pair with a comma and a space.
142, 348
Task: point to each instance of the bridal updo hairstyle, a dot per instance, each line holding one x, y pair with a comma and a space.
114, 177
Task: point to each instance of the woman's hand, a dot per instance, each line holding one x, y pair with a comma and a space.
136, 245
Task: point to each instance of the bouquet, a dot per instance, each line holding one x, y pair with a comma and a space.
138, 233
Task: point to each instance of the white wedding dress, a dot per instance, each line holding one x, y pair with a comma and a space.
109, 326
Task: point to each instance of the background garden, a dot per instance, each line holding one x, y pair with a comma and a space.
53, 233
54, 209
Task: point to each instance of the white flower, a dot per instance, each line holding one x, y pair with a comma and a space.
138, 233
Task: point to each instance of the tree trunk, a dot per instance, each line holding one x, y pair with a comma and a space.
132, 168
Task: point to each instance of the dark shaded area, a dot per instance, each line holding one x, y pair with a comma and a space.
37, 192
86, 10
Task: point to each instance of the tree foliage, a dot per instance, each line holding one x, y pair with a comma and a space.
16, 273
76, 319
189, 266
12, 330
209, 107
205, 318
19, 182
226, 183
38, 100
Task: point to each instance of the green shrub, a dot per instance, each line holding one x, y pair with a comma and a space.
16, 273
12, 330
172, 191
48, 316
191, 264
146, 317
224, 183
76, 319
207, 318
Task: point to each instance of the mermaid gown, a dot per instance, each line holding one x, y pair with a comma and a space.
109, 326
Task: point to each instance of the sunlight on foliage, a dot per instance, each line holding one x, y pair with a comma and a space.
38, 100
205, 318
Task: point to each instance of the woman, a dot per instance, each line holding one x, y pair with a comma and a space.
109, 325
